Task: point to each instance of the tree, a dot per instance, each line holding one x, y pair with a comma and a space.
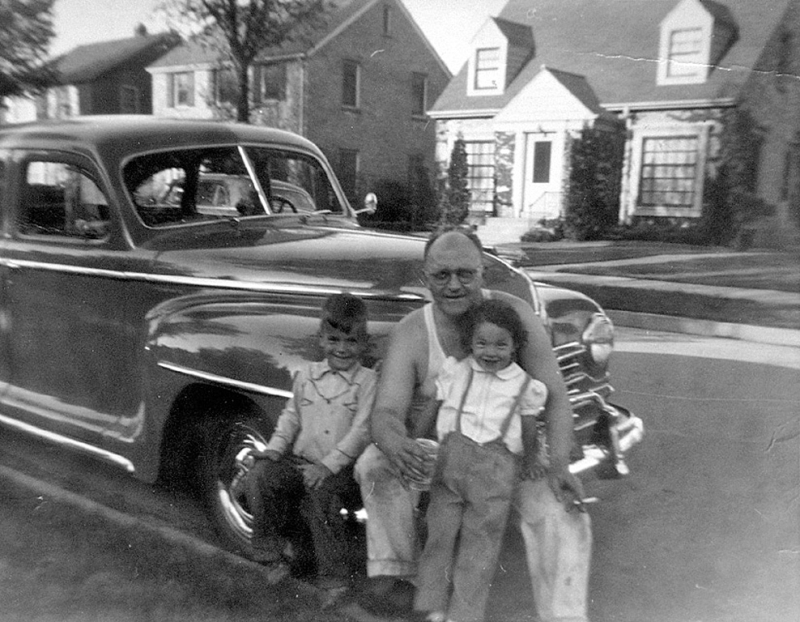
240, 30
26, 28
455, 201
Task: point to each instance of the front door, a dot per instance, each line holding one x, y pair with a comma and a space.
542, 188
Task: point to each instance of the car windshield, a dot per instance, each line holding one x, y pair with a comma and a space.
190, 185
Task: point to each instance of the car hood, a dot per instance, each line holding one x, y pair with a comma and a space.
335, 255
316, 256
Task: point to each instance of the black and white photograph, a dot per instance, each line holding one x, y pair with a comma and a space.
400, 310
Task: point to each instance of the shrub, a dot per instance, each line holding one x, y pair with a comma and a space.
454, 200
546, 230
595, 173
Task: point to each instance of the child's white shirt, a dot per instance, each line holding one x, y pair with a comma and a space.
490, 397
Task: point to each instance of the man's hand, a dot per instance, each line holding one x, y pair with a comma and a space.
409, 459
314, 475
566, 487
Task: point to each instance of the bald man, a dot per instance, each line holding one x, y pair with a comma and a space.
558, 543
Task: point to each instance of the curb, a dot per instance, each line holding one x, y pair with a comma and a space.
170, 534
706, 328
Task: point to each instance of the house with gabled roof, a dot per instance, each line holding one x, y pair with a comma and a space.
359, 87
108, 77
666, 70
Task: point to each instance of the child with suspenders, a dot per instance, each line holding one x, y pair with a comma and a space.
487, 409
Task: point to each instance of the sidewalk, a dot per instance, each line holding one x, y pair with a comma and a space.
651, 296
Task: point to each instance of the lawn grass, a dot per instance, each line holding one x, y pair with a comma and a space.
778, 271
64, 565
690, 305
768, 271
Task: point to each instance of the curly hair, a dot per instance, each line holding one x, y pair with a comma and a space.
497, 312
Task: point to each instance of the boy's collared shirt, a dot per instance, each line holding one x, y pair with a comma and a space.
327, 420
489, 398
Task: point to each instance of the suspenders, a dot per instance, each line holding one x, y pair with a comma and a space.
507, 421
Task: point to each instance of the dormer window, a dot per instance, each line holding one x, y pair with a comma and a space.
685, 50
500, 50
487, 69
685, 54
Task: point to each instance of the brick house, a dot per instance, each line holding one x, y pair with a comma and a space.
359, 88
666, 69
109, 77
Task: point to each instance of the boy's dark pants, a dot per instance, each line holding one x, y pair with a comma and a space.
278, 498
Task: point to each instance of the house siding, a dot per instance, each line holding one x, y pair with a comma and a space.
200, 109
382, 129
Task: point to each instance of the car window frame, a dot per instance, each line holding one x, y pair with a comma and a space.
87, 167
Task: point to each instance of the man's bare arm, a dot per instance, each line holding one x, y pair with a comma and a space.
398, 378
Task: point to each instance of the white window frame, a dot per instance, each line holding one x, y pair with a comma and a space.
685, 45
173, 94
640, 136
685, 53
481, 73
480, 159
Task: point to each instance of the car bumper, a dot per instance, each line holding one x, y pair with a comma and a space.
616, 432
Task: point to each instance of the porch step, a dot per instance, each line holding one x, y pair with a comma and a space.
502, 230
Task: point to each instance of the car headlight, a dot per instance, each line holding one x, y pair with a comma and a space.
599, 339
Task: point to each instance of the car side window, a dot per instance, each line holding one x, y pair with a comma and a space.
61, 199
194, 185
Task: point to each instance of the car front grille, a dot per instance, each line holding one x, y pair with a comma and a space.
570, 361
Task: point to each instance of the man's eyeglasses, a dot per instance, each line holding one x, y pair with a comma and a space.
442, 277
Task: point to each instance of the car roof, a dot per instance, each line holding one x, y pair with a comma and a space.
141, 133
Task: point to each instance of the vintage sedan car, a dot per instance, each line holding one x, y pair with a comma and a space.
162, 337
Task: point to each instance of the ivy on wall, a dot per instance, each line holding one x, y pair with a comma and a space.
730, 201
